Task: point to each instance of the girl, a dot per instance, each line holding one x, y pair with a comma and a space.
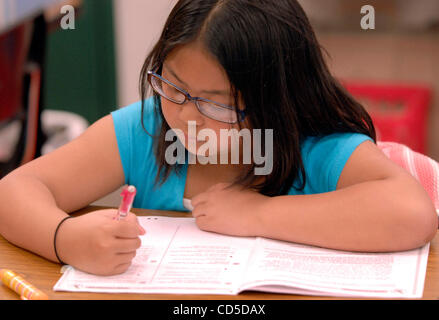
257, 65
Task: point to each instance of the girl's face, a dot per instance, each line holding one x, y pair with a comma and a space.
193, 69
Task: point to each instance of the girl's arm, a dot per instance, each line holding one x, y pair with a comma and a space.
37, 196
377, 207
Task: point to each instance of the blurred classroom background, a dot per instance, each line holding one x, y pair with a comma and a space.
393, 70
56, 82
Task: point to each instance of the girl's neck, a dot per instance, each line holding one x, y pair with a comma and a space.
223, 172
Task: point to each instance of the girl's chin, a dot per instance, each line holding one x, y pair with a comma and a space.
197, 149
201, 149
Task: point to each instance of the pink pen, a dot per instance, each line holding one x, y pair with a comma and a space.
128, 194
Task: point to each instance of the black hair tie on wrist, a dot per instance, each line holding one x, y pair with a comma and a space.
54, 238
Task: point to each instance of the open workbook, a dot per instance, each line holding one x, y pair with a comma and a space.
177, 257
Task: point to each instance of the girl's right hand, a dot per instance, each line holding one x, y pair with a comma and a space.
97, 243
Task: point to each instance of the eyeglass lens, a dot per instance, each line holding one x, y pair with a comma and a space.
209, 109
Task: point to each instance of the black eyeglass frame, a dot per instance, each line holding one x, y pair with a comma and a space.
241, 113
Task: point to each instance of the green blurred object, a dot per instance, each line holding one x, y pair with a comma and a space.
80, 74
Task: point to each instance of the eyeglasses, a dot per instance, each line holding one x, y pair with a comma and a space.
213, 110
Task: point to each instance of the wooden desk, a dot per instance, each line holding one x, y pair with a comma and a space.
44, 274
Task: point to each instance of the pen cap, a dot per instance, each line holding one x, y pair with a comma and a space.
128, 195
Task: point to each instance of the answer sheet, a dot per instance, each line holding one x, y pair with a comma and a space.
176, 257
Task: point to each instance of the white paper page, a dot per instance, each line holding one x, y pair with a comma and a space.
160, 231
203, 262
276, 265
175, 257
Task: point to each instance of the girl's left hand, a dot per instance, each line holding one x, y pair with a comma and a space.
229, 210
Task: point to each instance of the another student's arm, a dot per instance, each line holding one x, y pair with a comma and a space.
377, 207
37, 196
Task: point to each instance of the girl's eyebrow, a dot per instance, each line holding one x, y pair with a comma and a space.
212, 92
175, 75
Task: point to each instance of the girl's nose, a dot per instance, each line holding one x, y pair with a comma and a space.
189, 112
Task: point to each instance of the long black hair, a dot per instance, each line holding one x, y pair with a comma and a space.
275, 64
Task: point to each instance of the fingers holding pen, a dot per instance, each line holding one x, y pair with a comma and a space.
126, 245
102, 242
128, 228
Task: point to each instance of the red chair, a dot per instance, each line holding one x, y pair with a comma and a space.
421, 167
13, 53
20, 87
398, 112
